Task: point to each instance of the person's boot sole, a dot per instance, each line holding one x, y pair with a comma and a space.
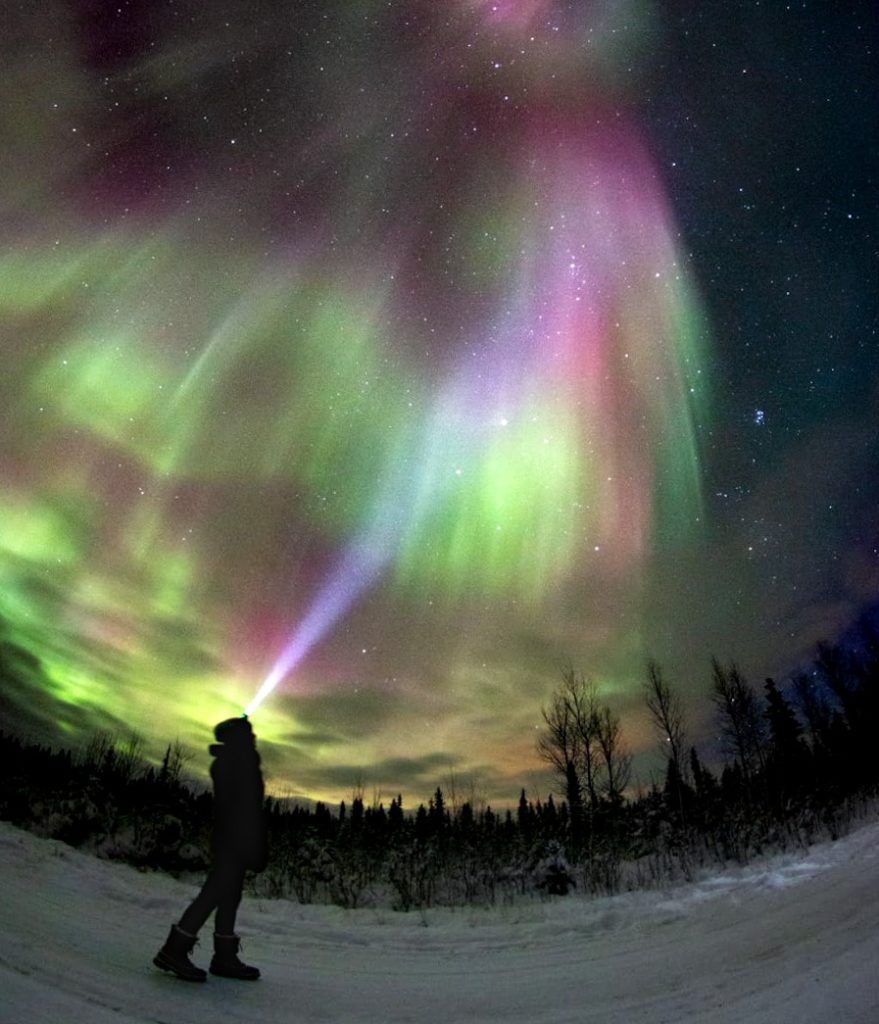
220, 973
166, 965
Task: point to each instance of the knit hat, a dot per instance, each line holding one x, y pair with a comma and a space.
233, 729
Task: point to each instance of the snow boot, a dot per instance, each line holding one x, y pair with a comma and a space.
174, 956
225, 962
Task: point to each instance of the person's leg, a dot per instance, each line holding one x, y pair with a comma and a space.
212, 892
174, 955
226, 943
229, 896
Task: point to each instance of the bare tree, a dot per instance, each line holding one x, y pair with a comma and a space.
100, 752
815, 708
559, 746
583, 701
108, 756
741, 719
617, 761
174, 763
667, 711
583, 744
834, 664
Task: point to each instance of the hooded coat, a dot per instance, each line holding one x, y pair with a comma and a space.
239, 793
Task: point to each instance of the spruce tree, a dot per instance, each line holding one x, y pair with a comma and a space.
788, 755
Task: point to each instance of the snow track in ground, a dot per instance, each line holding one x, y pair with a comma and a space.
794, 940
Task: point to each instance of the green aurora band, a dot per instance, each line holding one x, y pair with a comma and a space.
194, 430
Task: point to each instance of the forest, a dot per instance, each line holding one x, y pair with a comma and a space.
794, 763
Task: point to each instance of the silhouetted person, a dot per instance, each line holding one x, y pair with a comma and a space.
238, 844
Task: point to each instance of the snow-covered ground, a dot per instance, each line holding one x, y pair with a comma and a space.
793, 940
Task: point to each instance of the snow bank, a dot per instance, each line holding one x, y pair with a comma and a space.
791, 940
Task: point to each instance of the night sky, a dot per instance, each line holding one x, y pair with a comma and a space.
401, 353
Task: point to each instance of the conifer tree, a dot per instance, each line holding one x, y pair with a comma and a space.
788, 756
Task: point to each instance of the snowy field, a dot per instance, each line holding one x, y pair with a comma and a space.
793, 940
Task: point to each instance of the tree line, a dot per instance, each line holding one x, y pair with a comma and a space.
795, 760
794, 764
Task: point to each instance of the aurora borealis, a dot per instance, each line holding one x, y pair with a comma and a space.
401, 352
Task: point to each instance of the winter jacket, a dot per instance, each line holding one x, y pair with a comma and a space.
239, 823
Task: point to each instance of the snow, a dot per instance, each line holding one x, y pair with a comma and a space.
795, 939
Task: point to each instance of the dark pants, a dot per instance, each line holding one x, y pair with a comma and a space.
222, 889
